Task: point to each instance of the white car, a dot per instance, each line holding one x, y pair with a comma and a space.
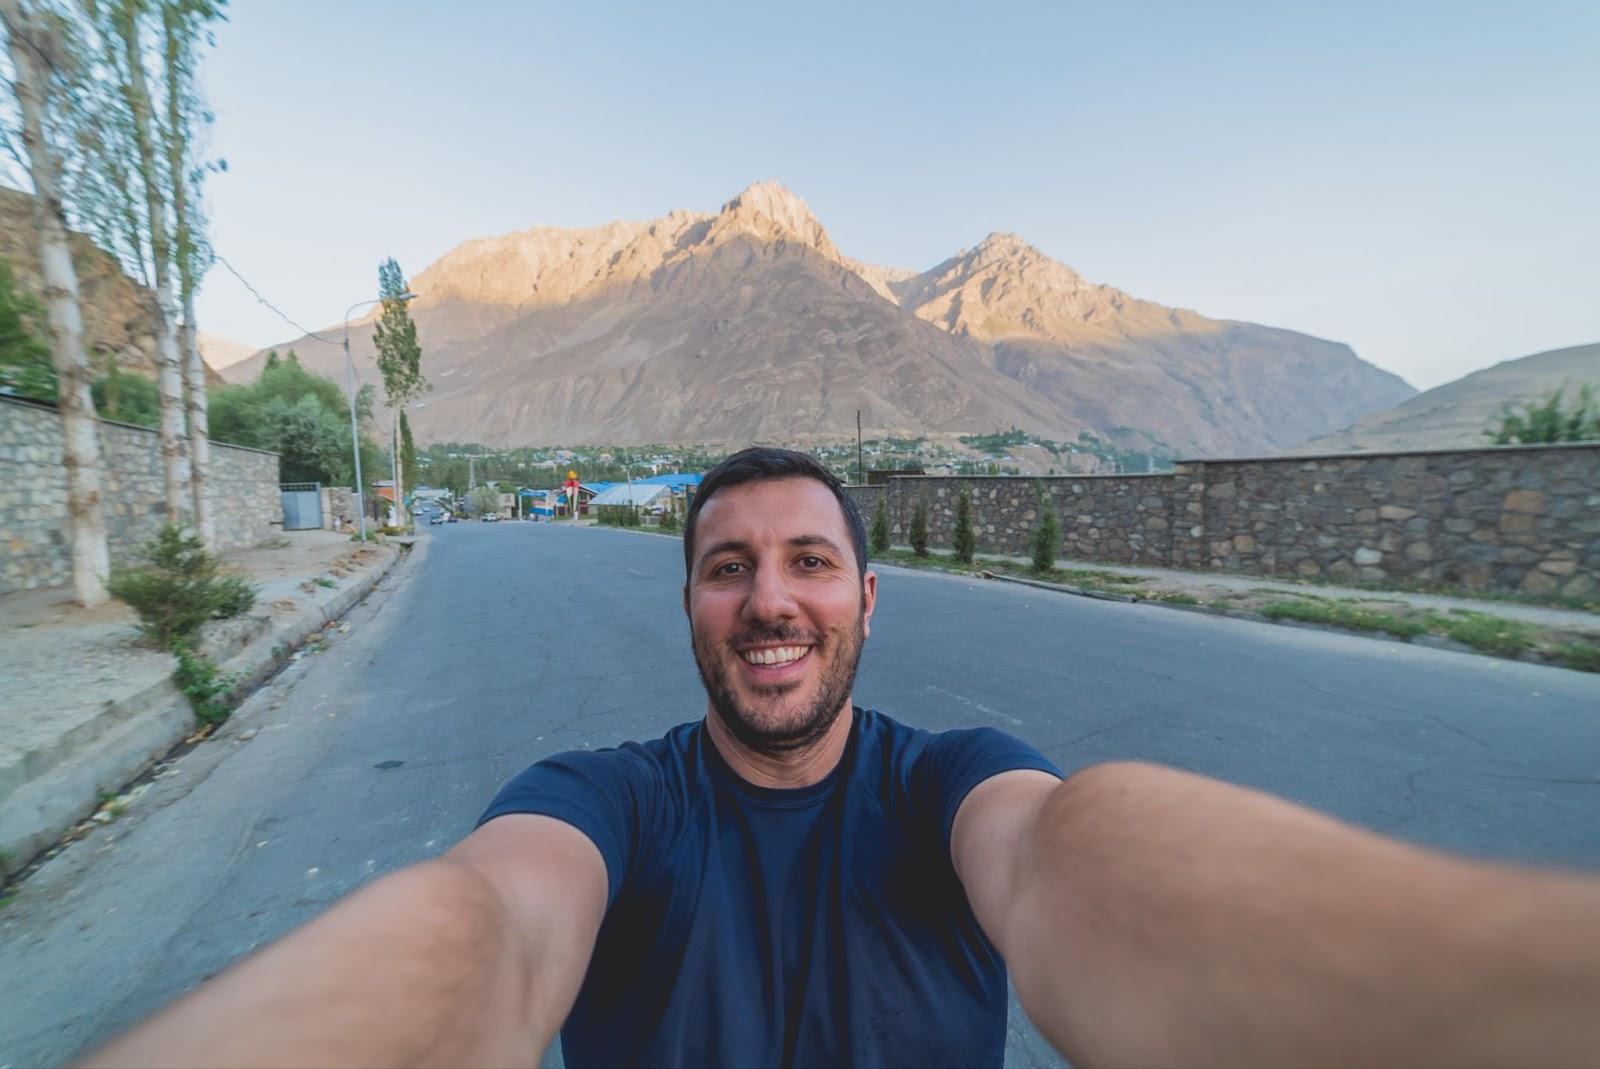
491, 517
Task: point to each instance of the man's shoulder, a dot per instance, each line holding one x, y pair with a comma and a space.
920, 762
901, 742
666, 754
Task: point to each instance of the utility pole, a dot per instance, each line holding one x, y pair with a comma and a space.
861, 478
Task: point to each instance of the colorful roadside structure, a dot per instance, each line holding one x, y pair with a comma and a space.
673, 491
552, 504
645, 496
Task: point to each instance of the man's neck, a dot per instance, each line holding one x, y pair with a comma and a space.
794, 768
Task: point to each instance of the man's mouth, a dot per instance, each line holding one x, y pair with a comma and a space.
774, 655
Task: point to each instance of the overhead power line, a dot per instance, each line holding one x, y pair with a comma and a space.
275, 309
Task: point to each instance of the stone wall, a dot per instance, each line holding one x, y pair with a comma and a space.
1513, 518
338, 508
36, 544
1124, 519
1509, 518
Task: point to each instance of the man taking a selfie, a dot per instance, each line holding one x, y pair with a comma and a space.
795, 880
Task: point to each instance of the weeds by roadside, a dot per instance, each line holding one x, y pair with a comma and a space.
1408, 586
1350, 616
1481, 631
203, 683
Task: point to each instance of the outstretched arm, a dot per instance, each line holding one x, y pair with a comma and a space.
471, 959
1150, 916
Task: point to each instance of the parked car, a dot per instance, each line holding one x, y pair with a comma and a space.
491, 517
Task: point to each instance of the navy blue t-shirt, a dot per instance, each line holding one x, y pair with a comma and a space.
823, 925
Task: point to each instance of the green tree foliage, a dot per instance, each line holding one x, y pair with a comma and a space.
300, 415
25, 366
126, 397
966, 541
880, 526
1046, 533
175, 587
408, 456
1549, 420
399, 352
919, 528
484, 499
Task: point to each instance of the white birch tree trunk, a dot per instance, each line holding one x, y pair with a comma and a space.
80, 432
194, 374
176, 28
169, 363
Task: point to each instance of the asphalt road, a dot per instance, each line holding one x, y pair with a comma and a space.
496, 645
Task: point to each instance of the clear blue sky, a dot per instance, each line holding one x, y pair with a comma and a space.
1418, 180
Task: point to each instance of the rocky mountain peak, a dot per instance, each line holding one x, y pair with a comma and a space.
772, 212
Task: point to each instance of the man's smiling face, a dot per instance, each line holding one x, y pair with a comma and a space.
778, 610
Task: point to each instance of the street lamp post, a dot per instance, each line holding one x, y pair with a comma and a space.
350, 381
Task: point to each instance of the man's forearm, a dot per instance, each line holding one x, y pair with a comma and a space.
420, 968
1160, 917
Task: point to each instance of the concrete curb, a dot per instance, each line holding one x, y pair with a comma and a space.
1064, 588
260, 659
132, 732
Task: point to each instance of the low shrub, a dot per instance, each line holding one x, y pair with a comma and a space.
919, 528
1046, 539
880, 527
966, 539
175, 587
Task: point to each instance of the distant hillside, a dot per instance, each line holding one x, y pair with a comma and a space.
750, 324
117, 323
1457, 414
219, 353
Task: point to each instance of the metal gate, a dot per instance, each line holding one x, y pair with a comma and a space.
302, 506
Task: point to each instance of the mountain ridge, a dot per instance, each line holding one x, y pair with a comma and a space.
1458, 414
750, 322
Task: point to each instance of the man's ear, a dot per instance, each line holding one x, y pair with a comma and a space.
869, 601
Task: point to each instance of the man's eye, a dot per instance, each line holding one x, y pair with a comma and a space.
812, 562
728, 567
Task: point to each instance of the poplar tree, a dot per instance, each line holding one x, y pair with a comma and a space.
399, 353
408, 453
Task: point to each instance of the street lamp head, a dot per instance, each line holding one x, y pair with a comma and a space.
406, 296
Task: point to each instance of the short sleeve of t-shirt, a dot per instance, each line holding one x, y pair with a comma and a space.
606, 794
954, 762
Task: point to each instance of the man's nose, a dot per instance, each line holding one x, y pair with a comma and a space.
770, 597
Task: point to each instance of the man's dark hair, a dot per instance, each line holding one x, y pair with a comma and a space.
760, 463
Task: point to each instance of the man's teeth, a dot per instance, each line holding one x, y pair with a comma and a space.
780, 655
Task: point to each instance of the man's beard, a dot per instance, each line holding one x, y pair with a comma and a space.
841, 657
